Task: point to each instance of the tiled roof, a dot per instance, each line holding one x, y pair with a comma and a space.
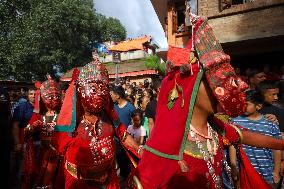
133, 44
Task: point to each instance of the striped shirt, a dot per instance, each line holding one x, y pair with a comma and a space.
260, 158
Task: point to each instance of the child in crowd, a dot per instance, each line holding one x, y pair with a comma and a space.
136, 130
270, 91
265, 161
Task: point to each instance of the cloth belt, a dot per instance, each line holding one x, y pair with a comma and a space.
88, 173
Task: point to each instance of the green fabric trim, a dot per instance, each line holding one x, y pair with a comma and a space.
158, 153
71, 127
190, 111
116, 122
191, 106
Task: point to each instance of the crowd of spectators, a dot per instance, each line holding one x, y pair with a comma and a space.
136, 102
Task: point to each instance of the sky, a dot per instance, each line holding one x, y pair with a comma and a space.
137, 16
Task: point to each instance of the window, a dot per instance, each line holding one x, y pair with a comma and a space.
225, 4
180, 19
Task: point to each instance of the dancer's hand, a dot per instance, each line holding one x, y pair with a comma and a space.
272, 118
276, 177
235, 173
37, 124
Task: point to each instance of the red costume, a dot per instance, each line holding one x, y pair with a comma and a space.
175, 155
88, 147
42, 124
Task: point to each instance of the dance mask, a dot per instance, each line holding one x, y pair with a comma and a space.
204, 53
93, 86
50, 94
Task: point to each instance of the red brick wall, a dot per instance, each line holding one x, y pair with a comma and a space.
259, 19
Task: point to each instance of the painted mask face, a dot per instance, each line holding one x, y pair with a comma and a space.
50, 94
51, 99
93, 94
228, 88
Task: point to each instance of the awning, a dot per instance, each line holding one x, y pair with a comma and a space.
112, 76
129, 74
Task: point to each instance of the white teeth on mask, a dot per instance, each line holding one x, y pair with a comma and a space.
234, 83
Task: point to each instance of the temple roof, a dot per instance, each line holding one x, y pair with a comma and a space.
130, 45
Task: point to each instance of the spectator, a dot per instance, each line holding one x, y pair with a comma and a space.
146, 84
146, 98
122, 106
134, 84
265, 161
23, 93
255, 76
14, 100
150, 111
271, 76
124, 110
130, 99
138, 98
269, 91
22, 114
130, 90
181, 28
136, 130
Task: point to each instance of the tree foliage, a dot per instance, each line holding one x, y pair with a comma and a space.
153, 62
37, 35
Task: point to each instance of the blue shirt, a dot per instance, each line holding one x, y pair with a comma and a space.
23, 113
260, 158
125, 113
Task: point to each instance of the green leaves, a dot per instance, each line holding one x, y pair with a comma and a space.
36, 35
174, 95
153, 62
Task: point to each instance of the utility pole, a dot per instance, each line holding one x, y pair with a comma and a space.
116, 58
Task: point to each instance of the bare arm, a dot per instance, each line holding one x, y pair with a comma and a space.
233, 155
15, 135
282, 158
261, 141
141, 140
234, 166
151, 125
131, 143
277, 161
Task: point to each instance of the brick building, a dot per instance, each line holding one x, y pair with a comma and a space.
251, 31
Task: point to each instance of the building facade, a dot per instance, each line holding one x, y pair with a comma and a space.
251, 31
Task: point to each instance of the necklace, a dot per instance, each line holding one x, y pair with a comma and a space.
212, 148
95, 128
91, 128
49, 127
208, 157
53, 120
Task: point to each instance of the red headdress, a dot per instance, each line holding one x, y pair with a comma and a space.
71, 108
203, 56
